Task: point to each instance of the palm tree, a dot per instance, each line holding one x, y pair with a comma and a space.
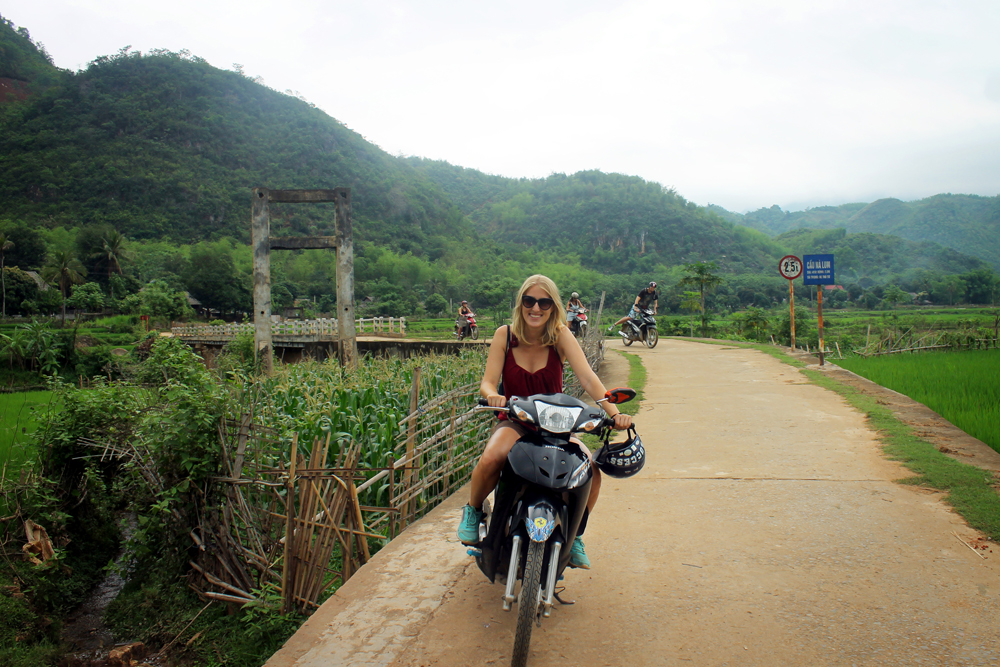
5, 245
690, 302
112, 253
700, 276
64, 270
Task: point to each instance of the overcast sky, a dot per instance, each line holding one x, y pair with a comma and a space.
741, 103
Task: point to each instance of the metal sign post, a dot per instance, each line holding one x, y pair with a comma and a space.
790, 267
819, 271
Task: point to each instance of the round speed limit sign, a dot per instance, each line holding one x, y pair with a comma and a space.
790, 267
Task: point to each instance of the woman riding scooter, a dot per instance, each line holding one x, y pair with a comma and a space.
574, 308
529, 355
462, 312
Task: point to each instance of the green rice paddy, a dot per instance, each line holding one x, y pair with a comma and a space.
20, 415
962, 387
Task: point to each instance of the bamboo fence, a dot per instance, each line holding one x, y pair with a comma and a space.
910, 340
252, 536
387, 326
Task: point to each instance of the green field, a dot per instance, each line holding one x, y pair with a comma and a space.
20, 415
960, 386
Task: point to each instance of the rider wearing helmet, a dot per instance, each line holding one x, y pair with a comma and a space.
574, 301
646, 296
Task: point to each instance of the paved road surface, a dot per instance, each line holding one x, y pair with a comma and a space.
766, 529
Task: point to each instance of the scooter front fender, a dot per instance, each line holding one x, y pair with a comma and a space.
542, 518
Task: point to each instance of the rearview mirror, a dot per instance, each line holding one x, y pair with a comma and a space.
620, 395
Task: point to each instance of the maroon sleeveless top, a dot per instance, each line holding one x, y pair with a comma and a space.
519, 382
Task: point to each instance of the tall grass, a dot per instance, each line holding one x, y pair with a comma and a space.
366, 405
960, 386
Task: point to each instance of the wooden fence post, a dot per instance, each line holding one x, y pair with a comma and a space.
286, 568
451, 452
260, 232
392, 517
411, 437
347, 336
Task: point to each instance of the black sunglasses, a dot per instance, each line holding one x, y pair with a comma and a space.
544, 303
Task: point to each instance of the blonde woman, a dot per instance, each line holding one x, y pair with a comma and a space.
532, 363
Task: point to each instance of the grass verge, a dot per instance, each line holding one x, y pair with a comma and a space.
971, 491
637, 381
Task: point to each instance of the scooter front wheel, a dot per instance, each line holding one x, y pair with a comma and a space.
475, 333
528, 602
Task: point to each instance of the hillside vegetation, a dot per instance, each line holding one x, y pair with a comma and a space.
967, 223
165, 145
164, 149
624, 224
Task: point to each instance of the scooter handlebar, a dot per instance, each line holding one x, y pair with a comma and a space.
483, 403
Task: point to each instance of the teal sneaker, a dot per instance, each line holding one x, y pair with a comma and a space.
468, 528
578, 555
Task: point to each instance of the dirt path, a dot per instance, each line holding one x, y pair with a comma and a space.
765, 530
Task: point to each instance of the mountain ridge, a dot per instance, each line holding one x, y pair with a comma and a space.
162, 145
967, 223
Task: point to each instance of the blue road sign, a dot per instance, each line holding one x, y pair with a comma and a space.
818, 270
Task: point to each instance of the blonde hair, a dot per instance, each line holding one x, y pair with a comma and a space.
556, 320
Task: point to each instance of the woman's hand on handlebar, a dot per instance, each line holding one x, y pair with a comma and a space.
622, 421
496, 401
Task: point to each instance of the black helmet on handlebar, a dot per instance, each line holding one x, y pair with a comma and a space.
622, 459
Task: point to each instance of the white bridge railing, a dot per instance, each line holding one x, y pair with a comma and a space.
320, 327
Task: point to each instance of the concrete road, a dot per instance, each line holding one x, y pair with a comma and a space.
766, 529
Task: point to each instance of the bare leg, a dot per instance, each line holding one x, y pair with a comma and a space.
487, 471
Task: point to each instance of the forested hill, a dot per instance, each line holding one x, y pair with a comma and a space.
624, 224
165, 145
968, 223
613, 223
25, 67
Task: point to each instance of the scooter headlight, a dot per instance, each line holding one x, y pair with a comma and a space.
556, 418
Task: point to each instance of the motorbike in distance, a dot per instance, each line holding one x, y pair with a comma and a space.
467, 327
540, 501
576, 319
642, 328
